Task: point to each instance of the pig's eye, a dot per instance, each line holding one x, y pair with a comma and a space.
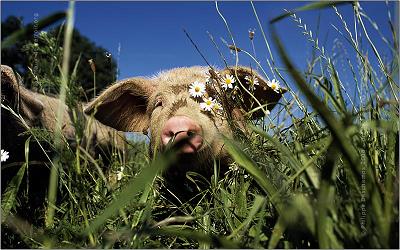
158, 103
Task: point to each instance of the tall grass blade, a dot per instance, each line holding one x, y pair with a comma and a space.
277, 232
60, 115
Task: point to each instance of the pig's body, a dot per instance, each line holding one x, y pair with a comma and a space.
163, 105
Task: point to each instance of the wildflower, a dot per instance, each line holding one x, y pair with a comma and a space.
207, 105
217, 74
251, 80
235, 92
234, 48
4, 155
217, 107
120, 173
251, 34
228, 81
233, 167
211, 79
274, 85
92, 65
197, 89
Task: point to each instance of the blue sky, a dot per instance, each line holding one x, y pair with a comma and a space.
151, 36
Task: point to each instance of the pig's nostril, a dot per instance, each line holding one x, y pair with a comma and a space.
173, 136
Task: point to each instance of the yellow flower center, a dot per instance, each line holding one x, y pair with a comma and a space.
197, 89
228, 81
273, 85
208, 102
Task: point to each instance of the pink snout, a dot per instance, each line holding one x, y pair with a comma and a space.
182, 127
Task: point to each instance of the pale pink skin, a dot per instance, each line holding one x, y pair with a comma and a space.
180, 126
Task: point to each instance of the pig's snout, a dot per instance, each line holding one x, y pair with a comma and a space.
179, 128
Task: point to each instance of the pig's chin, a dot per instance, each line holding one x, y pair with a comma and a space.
189, 159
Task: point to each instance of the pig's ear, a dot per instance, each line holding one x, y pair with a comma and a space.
20, 99
263, 93
123, 105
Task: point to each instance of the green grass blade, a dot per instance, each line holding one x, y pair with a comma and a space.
336, 85
277, 232
325, 200
53, 182
305, 208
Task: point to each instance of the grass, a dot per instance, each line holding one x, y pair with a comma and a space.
320, 172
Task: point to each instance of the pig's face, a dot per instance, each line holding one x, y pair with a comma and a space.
164, 105
176, 115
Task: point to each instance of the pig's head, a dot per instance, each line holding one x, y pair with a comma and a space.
164, 105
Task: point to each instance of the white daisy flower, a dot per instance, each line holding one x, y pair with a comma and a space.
197, 89
227, 81
120, 173
233, 167
251, 33
274, 85
211, 79
235, 92
251, 80
4, 155
217, 107
209, 75
207, 105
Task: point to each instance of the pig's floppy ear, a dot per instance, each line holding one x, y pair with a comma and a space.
123, 105
263, 93
15, 95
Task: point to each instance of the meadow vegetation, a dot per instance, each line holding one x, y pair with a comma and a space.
320, 171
